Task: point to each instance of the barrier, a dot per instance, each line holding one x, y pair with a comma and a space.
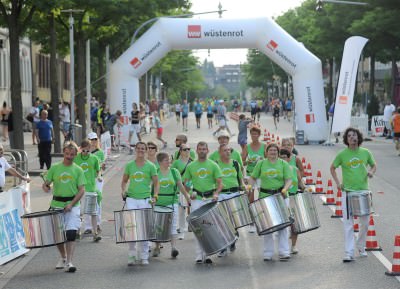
12, 239
361, 123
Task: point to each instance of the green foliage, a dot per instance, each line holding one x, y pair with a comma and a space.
373, 106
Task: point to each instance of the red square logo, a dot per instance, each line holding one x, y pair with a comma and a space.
272, 45
194, 31
310, 118
135, 62
343, 99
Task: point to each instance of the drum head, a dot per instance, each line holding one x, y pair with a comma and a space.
163, 209
42, 213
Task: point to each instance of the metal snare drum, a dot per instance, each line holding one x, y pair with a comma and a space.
43, 229
212, 228
238, 211
134, 225
90, 204
270, 214
304, 212
360, 203
162, 223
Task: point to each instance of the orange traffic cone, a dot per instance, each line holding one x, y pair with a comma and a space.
330, 197
303, 161
318, 184
309, 179
278, 141
338, 211
396, 258
273, 138
265, 135
268, 138
372, 243
356, 226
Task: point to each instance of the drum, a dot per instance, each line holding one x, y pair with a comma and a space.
237, 209
304, 212
360, 203
44, 229
270, 214
90, 204
162, 223
212, 228
134, 225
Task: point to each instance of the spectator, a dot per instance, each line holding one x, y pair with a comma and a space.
45, 137
4, 121
112, 120
65, 117
5, 166
35, 113
100, 119
387, 115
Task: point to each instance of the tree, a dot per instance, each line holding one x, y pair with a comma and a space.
16, 14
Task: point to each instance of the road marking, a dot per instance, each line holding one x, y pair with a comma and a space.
381, 258
253, 276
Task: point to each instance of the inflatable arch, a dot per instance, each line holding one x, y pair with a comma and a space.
260, 33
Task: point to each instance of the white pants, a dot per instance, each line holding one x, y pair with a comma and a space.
182, 219
72, 219
348, 225
198, 249
143, 246
174, 225
88, 219
283, 241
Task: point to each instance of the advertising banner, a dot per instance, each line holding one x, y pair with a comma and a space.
347, 82
12, 238
377, 125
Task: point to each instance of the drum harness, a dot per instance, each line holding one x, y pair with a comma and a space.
233, 189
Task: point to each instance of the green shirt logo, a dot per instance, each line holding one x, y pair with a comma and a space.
271, 173
354, 163
165, 182
85, 167
138, 177
227, 172
65, 178
202, 173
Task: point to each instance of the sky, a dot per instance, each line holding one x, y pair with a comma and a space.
237, 9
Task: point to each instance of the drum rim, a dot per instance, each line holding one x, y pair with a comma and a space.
164, 207
42, 214
285, 225
44, 246
144, 209
237, 196
308, 230
213, 206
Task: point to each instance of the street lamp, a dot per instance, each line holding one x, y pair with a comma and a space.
71, 63
319, 3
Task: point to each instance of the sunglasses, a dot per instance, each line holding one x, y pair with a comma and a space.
94, 139
86, 151
186, 149
152, 148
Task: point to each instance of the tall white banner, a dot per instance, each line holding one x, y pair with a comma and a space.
347, 82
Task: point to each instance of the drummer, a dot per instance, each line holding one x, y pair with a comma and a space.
98, 152
181, 164
152, 150
297, 184
251, 154
68, 188
141, 175
223, 139
276, 178
170, 181
206, 177
294, 160
354, 161
179, 140
232, 180
91, 167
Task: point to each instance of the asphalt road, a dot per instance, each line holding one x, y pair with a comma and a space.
318, 264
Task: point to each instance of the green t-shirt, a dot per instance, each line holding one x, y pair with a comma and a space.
272, 175
253, 157
168, 187
100, 154
179, 165
140, 179
229, 174
66, 182
295, 182
235, 155
203, 175
354, 167
90, 166
192, 155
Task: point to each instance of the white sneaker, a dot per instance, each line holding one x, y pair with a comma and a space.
181, 236
61, 263
348, 259
70, 268
145, 262
363, 253
294, 250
